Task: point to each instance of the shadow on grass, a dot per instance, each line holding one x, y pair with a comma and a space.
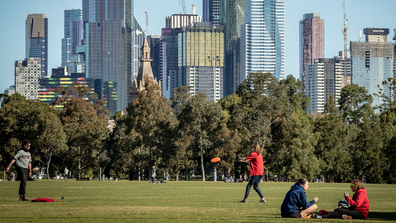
387, 216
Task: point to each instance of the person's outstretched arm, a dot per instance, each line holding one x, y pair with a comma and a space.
12, 162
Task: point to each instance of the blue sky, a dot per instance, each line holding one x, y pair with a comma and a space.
360, 14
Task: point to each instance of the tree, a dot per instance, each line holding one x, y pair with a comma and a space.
199, 118
388, 126
294, 92
387, 92
332, 149
51, 139
354, 102
85, 133
148, 116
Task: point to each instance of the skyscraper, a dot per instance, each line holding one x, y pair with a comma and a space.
27, 76
263, 38
201, 59
311, 41
231, 17
110, 35
211, 11
37, 39
73, 34
372, 61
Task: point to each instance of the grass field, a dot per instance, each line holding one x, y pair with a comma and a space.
132, 201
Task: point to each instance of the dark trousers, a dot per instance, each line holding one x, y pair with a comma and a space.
23, 176
339, 212
254, 181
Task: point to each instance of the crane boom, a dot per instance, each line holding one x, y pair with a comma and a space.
147, 25
241, 10
184, 6
345, 31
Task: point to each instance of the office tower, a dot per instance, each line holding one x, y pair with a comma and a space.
372, 61
110, 38
10, 90
154, 44
107, 91
169, 44
73, 34
37, 39
324, 77
201, 59
311, 41
211, 11
27, 75
231, 17
263, 38
181, 20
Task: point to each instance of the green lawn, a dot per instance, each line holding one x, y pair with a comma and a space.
125, 201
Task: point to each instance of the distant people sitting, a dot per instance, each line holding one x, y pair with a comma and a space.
295, 204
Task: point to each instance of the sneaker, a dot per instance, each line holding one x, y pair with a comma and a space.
316, 216
262, 200
24, 198
308, 216
243, 201
346, 217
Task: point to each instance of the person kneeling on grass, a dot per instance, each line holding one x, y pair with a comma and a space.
295, 204
359, 204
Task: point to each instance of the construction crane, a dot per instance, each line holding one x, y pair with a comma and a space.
184, 6
147, 25
241, 10
345, 30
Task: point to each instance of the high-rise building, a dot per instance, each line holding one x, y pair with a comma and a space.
231, 17
211, 12
111, 33
37, 40
181, 20
27, 76
201, 59
263, 38
372, 61
154, 42
324, 77
311, 41
73, 34
10, 90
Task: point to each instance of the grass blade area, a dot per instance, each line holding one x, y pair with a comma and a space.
132, 201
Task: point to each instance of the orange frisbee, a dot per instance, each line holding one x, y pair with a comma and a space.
215, 160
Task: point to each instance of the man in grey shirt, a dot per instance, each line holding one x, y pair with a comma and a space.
23, 160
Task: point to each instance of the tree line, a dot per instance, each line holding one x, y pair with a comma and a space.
182, 134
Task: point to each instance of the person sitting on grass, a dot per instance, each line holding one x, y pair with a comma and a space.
295, 204
360, 205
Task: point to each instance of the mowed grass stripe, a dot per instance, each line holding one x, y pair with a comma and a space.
133, 201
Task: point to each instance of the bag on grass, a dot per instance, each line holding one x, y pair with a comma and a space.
343, 204
43, 199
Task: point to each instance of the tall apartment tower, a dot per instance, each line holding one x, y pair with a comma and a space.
231, 17
110, 34
263, 38
211, 11
169, 50
311, 41
154, 44
201, 59
373, 61
73, 34
37, 40
27, 76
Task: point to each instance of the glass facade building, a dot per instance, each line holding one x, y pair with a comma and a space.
73, 34
27, 76
311, 41
211, 11
37, 40
372, 61
263, 38
201, 59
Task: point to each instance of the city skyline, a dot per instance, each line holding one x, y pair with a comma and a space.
360, 14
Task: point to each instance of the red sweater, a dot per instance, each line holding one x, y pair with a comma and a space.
360, 202
256, 164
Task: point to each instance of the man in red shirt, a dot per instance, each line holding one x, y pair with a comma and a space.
256, 172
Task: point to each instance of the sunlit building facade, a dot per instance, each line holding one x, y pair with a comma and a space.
37, 40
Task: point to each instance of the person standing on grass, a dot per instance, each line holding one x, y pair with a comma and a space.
153, 175
295, 204
23, 160
256, 172
66, 173
360, 204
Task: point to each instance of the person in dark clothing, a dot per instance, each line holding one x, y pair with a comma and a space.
256, 172
295, 204
23, 160
359, 204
